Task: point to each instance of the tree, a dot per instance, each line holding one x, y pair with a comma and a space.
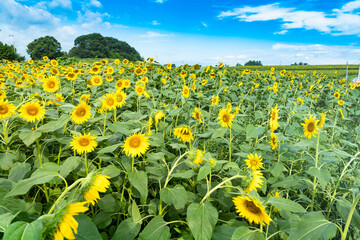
44, 46
9, 52
96, 46
253, 63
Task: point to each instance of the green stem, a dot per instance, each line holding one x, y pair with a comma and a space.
173, 168
132, 163
104, 124
230, 146
86, 165
39, 151
219, 186
63, 194
352, 210
316, 163
5, 132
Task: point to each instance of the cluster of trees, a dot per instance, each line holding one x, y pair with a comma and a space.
253, 63
300, 63
86, 46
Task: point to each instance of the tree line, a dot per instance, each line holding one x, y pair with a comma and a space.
86, 46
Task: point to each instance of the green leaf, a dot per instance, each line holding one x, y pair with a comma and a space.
203, 172
343, 207
5, 220
135, 213
313, 226
127, 230
277, 170
176, 195
223, 232
54, 125
87, 230
15, 230
24, 231
70, 164
244, 233
156, 229
109, 149
18, 171
120, 127
139, 181
186, 175
107, 203
286, 204
202, 219
323, 175
218, 133
252, 131
29, 136
43, 175
111, 171
6, 160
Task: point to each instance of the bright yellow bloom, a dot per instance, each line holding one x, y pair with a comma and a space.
255, 181
158, 116
254, 161
150, 122
197, 115
100, 184
274, 119
6, 109
51, 84
251, 209
341, 102
274, 141
225, 117
185, 92
120, 98
183, 133
322, 120
199, 158
215, 100
32, 111
96, 80
109, 102
136, 145
83, 143
341, 113
140, 89
81, 113
310, 127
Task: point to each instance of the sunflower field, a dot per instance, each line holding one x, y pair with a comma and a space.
122, 150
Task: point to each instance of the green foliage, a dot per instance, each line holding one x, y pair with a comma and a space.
8, 52
44, 46
253, 63
96, 46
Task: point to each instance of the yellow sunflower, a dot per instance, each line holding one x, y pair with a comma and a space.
136, 145
197, 115
81, 113
120, 98
158, 116
254, 181
109, 102
140, 89
120, 84
85, 98
322, 120
215, 100
96, 80
183, 133
226, 118
6, 109
274, 119
32, 111
51, 84
99, 184
274, 141
83, 143
185, 92
254, 161
251, 209
310, 127
341, 102
336, 95
199, 158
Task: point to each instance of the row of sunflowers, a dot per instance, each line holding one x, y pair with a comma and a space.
123, 150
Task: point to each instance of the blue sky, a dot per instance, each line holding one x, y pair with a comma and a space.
203, 31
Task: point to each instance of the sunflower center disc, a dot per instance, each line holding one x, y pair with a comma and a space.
134, 142
110, 101
226, 118
80, 112
3, 109
252, 207
84, 142
311, 127
253, 162
51, 84
96, 80
33, 111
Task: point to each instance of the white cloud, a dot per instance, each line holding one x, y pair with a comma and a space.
60, 3
151, 34
282, 32
155, 23
204, 24
95, 3
338, 22
160, 1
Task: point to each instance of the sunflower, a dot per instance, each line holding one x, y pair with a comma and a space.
2, 94
322, 120
300, 100
120, 98
85, 98
341, 102
225, 117
99, 184
125, 61
197, 115
83, 143
6, 109
185, 92
274, 141
168, 66
158, 116
51, 84
68, 225
254, 181
71, 76
251, 209
215, 100
336, 95
96, 80
109, 101
150, 123
95, 70
199, 158
81, 113
274, 119
136, 145
254, 161
32, 111
138, 71
310, 127
120, 84
140, 89
54, 63
59, 99
341, 113
183, 133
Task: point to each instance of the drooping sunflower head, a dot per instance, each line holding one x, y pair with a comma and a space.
51, 84
251, 209
274, 114
197, 115
310, 127
183, 133
198, 157
81, 113
254, 161
83, 143
6, 109
32, 111
158, 116
136, 145
98, 183
322, 120
253, 181
225, 117
274, 141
